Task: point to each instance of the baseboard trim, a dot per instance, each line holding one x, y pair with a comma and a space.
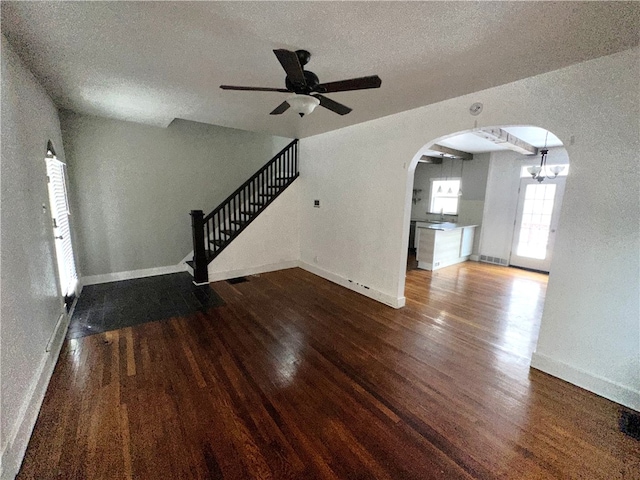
474, 258
242, 272
146, 272
600, 386
395, 302
18, 439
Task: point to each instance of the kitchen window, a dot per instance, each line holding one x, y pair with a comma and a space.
444, 196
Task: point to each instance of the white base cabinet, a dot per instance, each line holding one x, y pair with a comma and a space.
441, 246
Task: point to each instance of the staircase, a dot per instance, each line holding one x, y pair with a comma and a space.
214, 232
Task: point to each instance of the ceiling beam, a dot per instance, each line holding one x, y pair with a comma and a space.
501, 137
451, 152
430, 159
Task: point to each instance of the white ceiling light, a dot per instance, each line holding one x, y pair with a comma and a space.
303, 104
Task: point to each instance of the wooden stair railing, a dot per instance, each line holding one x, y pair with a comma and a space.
214, 232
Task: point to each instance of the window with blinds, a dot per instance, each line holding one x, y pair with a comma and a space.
59, 201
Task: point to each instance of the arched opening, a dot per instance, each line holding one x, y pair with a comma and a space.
482, 196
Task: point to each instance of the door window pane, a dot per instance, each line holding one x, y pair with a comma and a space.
536, 221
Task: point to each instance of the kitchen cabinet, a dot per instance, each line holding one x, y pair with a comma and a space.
440, 245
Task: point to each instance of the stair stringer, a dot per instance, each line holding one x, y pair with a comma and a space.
270, 242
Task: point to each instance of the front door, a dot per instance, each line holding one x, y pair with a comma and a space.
59, 203
536, 222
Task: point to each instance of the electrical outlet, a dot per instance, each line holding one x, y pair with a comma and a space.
316, 203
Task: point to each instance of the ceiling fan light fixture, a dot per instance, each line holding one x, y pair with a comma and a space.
303, 104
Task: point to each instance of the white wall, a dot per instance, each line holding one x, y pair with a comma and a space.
590, 332
132, 186
30, 300
501, 199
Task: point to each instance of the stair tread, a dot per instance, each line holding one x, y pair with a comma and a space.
228, 232
191, 262
238, 222
217, 242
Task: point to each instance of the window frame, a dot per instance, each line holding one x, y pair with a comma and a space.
433, 194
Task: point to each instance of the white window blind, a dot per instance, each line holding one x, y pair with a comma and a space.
60, 213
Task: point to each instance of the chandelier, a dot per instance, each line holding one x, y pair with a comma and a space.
541, 172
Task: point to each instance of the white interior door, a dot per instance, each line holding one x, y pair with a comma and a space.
59, 203
536, 222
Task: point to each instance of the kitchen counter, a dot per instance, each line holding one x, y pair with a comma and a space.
440, 245
441, 225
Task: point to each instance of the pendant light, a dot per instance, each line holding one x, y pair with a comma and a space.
540, 172
450, 191
441, 167
461, 169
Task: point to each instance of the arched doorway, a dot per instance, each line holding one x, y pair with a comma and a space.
474, 198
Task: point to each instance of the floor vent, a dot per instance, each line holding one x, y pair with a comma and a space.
494, 260
630, 424
233, 281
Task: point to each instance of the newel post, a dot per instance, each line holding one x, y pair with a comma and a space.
200, 268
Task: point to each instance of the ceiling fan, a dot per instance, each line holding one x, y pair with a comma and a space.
306, 86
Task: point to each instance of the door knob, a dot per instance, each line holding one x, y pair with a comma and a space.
59, 238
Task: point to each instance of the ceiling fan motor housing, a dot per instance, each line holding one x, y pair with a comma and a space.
306, 86
311, 79
303, 57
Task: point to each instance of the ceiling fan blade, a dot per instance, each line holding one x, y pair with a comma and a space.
291, 64
254, 89
332, 105
361, 83
283, 107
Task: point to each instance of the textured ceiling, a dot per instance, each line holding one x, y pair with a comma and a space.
151, 62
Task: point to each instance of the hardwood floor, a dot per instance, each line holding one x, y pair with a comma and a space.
296, 377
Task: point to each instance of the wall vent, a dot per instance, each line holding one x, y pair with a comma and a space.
494, 260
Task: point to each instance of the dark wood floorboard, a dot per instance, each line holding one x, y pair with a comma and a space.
298, 378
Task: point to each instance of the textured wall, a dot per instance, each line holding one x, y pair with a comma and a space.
132, 186
30, 300
590, 327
